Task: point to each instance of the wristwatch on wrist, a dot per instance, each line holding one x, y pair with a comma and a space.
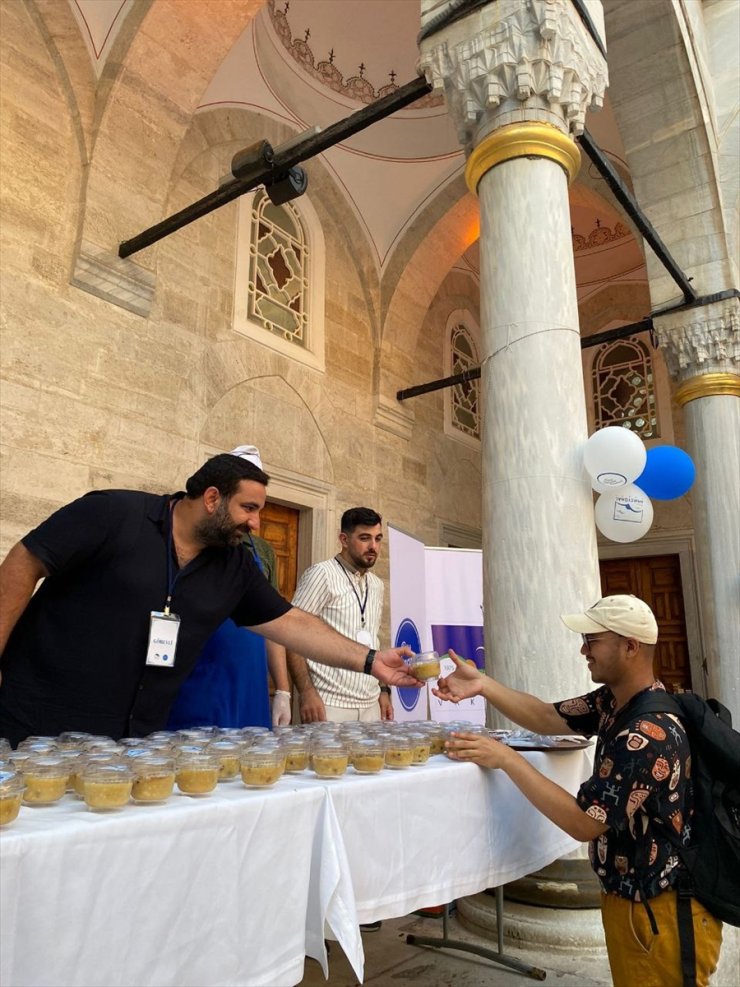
386, 689
368, 669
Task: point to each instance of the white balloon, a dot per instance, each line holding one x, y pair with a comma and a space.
614, 457
625, 514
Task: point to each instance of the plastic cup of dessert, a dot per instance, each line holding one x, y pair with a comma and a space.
106, 786
11, 795
330, 759
399, 752
228, 753
424, 665
262, 765
368, 756
154, 778
45, 778
196, 772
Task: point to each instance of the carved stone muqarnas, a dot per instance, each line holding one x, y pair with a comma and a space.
514, 55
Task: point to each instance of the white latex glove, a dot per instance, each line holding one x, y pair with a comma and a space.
281, 712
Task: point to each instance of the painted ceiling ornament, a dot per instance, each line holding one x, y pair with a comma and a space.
600, 236
325, 71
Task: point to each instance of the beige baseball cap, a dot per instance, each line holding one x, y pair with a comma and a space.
624, 614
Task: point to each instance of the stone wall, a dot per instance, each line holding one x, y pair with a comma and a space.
95, 395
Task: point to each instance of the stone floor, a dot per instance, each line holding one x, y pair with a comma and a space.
390, 961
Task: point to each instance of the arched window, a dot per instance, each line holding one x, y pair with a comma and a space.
278, 270
279, 285
465, 410
623, 387
463, 413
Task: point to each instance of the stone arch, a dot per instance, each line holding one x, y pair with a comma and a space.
245, 412
446, 239
660, 103
623, 301
128, 181
205, 154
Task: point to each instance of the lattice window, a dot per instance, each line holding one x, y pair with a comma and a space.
465, 405
623, 387
278, 271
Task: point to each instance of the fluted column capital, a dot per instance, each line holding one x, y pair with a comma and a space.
701, 348
515, 62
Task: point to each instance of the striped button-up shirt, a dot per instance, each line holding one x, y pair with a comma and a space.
337, 594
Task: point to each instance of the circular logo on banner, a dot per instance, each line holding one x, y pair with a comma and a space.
407, 634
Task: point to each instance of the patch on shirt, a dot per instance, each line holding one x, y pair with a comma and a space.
606, 767
601, 847
661, 769
651, 730
635, 800
675, 775
574, 707
635, 742
596, 812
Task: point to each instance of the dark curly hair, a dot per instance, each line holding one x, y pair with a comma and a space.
225, 472
357, 516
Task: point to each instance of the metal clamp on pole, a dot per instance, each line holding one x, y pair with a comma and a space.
252, 161
287, 186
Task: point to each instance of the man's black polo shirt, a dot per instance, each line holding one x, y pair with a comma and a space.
76, 657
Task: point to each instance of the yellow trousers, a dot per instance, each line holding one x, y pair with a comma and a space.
636, 956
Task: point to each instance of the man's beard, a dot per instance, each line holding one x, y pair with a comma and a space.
218, 530
362, 562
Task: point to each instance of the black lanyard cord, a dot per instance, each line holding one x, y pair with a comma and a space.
362, 604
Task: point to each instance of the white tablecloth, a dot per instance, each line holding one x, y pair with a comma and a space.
232, 889
237, 888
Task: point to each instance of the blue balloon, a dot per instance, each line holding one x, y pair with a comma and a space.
669, 473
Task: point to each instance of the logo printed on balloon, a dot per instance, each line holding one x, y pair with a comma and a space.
408, 634
625, 514
614, 457
611, 479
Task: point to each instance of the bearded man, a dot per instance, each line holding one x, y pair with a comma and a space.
133, 585
348, 596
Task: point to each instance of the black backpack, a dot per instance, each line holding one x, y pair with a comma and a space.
712, 860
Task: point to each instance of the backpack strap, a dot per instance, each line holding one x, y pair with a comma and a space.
686, 932
655, 701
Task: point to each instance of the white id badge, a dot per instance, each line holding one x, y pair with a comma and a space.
364, 638
163, 631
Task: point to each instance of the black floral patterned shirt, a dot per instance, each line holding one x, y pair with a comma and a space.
640, 785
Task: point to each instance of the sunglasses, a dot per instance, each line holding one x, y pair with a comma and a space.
591, 639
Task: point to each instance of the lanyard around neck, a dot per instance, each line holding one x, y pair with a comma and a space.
171, 580
362, 604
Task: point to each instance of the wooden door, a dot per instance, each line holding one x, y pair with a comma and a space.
656, 579
279, 527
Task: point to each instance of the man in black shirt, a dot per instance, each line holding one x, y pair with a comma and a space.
133, 585
640, 789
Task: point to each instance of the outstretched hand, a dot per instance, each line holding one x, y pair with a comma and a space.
466, 681
390, 668
478, 749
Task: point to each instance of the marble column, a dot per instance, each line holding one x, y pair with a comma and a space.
701, 348
518, 76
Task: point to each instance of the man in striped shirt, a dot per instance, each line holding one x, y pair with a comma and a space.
348, 596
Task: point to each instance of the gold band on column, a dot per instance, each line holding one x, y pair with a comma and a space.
521, 140
708, 386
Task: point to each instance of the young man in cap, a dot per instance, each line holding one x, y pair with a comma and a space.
640, 787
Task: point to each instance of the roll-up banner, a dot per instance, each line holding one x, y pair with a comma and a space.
436, 603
